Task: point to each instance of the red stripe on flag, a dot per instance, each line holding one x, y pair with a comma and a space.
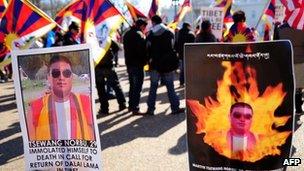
298, 19
9, 15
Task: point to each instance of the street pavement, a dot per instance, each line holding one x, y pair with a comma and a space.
128, 142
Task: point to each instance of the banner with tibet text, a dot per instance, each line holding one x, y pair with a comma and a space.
240, 105
216, 17
54, 91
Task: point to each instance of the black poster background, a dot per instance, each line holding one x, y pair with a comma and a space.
202, 74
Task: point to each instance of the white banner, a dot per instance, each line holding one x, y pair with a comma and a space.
216, 16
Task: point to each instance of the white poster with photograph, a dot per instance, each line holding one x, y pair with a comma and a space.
216, 17
54, 90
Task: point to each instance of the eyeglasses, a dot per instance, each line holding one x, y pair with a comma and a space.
66, 73
239, 115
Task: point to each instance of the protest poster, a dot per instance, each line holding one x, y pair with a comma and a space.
216, 17
54, 92
240, 105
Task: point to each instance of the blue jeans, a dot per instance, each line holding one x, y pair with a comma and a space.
168, 81
136, 79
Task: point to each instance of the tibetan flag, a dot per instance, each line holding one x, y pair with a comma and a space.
269, 14
294, 13
3, 5
270, 11
21, 24
154, 8
183, 10
239, 33
135, 13
226, 4
99, 21
72, 12
101, 24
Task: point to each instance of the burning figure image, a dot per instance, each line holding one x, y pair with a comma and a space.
240, 121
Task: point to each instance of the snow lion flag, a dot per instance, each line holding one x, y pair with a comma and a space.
21, 24
99, 21
3, 5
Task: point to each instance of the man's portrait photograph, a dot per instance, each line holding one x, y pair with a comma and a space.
241, 112
56, 93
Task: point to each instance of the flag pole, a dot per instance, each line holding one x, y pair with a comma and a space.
266, 6
119, 12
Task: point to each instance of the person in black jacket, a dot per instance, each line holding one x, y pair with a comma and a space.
205, 34
105, 74
71, 37
134, 42
163, 63
185, 35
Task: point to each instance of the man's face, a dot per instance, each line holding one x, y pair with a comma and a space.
241, 119
142, 28
75, 32
60, 79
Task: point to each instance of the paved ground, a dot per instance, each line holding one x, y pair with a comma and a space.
128, 142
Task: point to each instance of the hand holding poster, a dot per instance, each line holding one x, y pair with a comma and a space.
240, 114
216, 17
54, 89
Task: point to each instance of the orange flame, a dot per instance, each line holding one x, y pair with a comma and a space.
239, 84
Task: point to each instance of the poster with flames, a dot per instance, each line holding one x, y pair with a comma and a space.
239, 105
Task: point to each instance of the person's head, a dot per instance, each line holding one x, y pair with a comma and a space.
186, 26
60, 76
156, 20
74, 28
240, 118
141, 24
239, 16
205, 26
58, 37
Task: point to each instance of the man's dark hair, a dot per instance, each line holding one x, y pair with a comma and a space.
205, 25
240, 104
239, 16
140, 22
156, 19
186, 25
56, 58
74, 26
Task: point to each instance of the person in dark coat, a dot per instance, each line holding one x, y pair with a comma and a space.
163, 63
185, 35
205, 34
72, 36
105, 74
134, 42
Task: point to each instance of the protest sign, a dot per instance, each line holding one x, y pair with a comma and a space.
54, 92
240, 105
216, 17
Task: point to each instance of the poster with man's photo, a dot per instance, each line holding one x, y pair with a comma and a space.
54, 92
240, 105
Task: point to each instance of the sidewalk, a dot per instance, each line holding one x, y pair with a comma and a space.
128, 142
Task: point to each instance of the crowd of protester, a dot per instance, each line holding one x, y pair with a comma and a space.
160, 48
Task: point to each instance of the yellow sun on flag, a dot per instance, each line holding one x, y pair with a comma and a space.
239, 38
9, 39
89, 24
68, 13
